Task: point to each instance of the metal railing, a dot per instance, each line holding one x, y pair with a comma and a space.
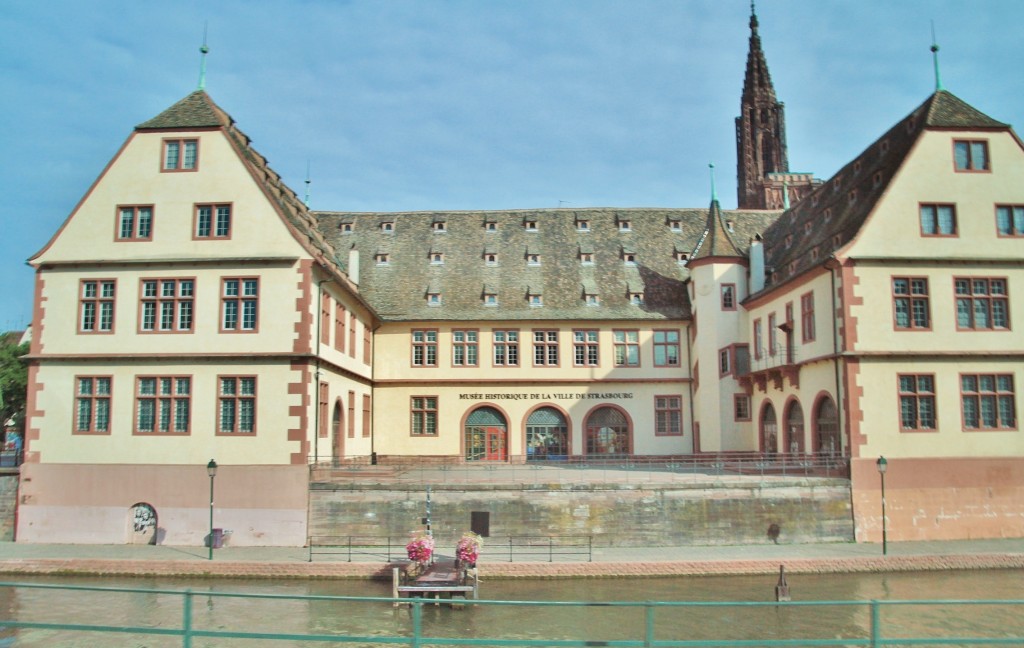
869, 625
392, 548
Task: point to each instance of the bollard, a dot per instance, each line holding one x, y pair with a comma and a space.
782, 588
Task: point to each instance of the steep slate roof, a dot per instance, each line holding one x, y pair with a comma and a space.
198, 110
716, 240
830, 217
397, 290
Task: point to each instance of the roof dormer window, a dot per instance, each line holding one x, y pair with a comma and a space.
346, 228
591, 299
682, 257
675, 225
582, 225
491, 258
440, 227
382, 258
636, 298
625, 225
530, 224
387, 227
586, 258
437, 258
628, 258
532, 259
490, 299
433, 299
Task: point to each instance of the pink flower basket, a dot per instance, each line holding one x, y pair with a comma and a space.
420, 548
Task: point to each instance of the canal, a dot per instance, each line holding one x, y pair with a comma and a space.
591, 623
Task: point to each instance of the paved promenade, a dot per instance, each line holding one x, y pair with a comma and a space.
293, 562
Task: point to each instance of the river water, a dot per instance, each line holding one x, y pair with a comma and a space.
591, 623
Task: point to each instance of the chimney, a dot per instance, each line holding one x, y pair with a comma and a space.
756, 265
353, 266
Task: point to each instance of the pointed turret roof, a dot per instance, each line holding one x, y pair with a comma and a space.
716, 240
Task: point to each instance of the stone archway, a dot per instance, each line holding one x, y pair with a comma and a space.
546, 435
769, 430
795, 428
608, 432
486, 435
826, 424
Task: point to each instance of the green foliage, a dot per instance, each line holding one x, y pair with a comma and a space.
13, 382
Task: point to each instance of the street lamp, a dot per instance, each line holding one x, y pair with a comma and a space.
883, 465
211, 470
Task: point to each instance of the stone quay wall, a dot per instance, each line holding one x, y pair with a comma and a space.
8, 504
794, 511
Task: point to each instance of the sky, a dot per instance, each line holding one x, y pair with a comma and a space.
395, 105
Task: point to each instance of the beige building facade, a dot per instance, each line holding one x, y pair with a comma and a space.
192, 307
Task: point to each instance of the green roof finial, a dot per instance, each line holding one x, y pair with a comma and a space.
204, 50
714, 194
307, 184
935, 60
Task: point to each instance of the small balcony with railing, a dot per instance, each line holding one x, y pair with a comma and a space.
777, 364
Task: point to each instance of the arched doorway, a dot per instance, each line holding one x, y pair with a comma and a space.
486, 435
142, 518
826, 421
546, 435
769, 430
608, 433
337, 438
795, 429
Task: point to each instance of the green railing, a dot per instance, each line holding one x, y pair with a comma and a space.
408, 630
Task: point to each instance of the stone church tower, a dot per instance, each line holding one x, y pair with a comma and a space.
763, 179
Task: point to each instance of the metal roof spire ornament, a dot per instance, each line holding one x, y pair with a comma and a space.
935, 61
714, 193
307, 184
204, 50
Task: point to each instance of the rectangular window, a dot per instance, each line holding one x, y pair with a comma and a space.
668, 415
666, 348
424, 348
758, 349
135, 223
325, 319
166, 305
92, 405
366, 415
627, 348
938, 220
239, 299
1010, 220
988, 402
351, 414
236, 405
981, 303
506, 348
773, 335
465, 348
181, 155
424, 416
725, 361
340, 317
585, 348
910, 303
162, 404
96, 306
970, 155
545, 348
807, 330
917, 402
741, 407
353, 324
728, 296
213, 221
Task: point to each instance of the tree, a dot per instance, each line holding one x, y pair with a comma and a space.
13, 380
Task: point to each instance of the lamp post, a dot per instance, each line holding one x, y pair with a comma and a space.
211, 470
883, 465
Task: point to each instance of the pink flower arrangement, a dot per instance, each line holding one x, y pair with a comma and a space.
468, 548
420, 548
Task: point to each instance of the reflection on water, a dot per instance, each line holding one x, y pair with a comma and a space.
593, 623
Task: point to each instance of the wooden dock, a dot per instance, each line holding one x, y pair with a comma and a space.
443, 583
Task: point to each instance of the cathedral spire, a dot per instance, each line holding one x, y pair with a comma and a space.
760, 128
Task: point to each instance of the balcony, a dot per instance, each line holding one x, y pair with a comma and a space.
778, 365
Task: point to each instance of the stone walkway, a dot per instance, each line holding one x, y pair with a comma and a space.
293, 562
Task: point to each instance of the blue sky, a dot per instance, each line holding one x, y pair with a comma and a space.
473, 104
